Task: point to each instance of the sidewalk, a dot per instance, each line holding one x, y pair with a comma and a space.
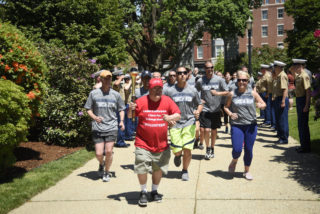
284, 182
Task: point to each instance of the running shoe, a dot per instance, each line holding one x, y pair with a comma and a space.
106, 177
207, 156
177, 160
155, 196
143, 199
185, 176
247, 176
201, 147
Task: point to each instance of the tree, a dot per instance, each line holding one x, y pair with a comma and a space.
158, 30
301, 42
227, 19
80, 25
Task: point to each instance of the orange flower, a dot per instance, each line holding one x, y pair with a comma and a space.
20, 47
10, 50
24, 67
4, 77
31, 95
15, 64
7, 68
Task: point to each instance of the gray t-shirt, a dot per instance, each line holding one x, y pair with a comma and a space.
105, 105
188, 100
224, 98
192, 81
205, 85
244, 105
141, 92
167, 85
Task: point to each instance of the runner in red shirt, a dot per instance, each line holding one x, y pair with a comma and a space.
155, 112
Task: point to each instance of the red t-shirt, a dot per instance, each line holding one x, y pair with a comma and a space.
152, 129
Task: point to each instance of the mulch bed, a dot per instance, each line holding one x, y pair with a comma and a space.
30, 155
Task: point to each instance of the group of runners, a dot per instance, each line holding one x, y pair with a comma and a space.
186, 107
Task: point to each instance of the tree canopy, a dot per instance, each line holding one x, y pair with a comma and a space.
301, 42
91, 25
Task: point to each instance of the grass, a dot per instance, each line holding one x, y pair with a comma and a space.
313, 125
15, 193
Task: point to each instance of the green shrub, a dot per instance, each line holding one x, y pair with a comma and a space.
65, 121
21, 63
14, 116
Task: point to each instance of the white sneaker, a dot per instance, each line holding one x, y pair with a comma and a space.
105, 177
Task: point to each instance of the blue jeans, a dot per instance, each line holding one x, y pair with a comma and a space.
303, 123
246, 134
282, 119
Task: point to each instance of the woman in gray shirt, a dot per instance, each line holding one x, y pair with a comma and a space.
241, 107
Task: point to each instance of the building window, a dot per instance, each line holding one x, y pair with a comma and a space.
280, 45
264, 14
267, 2
219, 50
280, 13
278, 1
199, 52
280, 29
264, 31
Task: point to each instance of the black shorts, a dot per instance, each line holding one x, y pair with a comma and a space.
210, 120
101, 137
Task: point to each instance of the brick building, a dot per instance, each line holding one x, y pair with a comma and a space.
269, 25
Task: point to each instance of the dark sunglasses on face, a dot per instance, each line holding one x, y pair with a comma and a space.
209, 67
172, 75
184, 72
242, 80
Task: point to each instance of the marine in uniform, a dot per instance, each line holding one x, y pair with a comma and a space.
303, 94
281, 102
266, 89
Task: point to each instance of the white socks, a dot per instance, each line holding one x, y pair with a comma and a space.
144, 187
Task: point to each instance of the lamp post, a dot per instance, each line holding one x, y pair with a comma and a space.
249, 27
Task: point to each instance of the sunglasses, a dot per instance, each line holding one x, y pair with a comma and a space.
172, 75
242, 80
209, 67
184, 72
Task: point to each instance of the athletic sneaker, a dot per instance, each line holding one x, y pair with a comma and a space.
143, 199
207, 156
185, 176
155, 196
106, 177
101, 170
201, 147
212, 153
177, 160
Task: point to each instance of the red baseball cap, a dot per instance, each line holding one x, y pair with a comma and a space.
155, 82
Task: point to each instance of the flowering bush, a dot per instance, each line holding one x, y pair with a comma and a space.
316, 84
65, 121
21, 63
14, 117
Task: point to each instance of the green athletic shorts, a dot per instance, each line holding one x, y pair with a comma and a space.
146, 160
182, 138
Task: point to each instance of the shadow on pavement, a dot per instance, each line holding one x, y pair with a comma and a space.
131, 197
197, 157
173, 175
304, 168
225, 175
129, 166
266, 135
265, 129
224, 145
224, 138
261, 140
93, 175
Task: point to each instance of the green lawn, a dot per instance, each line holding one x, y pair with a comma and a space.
15, 193
313, 125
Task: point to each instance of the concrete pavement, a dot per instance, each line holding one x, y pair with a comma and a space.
284, 182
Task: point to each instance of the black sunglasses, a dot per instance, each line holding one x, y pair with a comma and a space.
209, 67
184, 72
172, 75
242, 80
